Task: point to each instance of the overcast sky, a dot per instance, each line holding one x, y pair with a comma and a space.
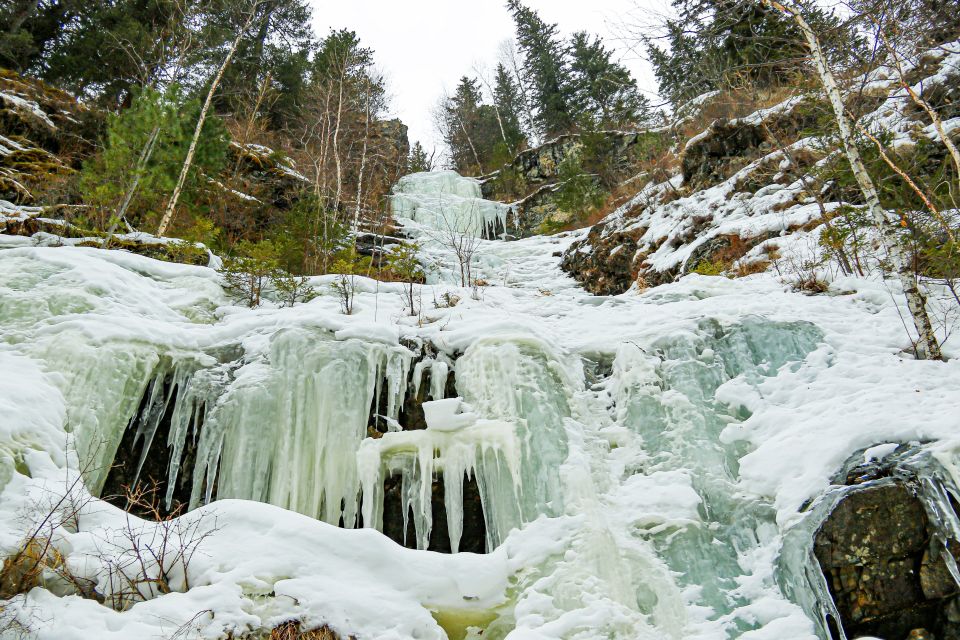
424, 46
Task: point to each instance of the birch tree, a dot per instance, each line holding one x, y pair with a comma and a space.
191, 151
887, 223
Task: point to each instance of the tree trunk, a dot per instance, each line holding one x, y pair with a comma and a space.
887, 224
336, 139
138, 171
923, 104
172, 205
363, 165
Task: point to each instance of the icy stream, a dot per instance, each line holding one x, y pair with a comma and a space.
640, 459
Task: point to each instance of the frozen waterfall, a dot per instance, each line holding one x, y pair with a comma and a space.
643, 466
446, 202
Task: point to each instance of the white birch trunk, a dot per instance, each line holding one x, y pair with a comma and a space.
886, 223
185, 171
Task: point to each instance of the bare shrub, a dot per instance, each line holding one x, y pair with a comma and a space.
143, 560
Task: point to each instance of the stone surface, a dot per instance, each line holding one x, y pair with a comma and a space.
531, 180
874, 549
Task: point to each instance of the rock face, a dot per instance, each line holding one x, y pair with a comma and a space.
730, 145
44, 135
875, 551
531, 181
605, 262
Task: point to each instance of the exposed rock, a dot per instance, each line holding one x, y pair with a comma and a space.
729, 145
531, 181
45, 134
389, 138
47, 227
606, 261
875, 550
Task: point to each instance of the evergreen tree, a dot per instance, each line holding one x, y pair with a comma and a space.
278, 48
715, 44
143, 153
471, 129
509, 105
544, 64
419, 160
603, 93
30, 28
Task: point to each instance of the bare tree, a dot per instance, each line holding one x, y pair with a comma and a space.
145, 559
463, 244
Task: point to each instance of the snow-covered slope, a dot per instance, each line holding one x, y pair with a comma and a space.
640, 458
752, 190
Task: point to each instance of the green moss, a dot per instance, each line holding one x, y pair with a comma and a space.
711, 268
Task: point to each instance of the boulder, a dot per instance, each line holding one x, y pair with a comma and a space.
875, 551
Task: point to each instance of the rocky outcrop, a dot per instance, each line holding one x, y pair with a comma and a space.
48, 226
45, 134
727, 146
532, 181
606, 261
389, 138
700, 218
883, 568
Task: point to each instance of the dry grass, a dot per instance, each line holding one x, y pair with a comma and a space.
292, 630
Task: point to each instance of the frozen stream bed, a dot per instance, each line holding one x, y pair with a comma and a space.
640, 458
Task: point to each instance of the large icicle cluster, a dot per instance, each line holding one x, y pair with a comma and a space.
287, 429
487, 450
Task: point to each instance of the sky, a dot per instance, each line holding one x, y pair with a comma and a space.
425, 46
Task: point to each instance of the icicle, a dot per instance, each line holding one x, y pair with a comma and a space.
195, 402
522, 381
418, 370
102, 386
287, 429
397, 373
486, 449
439, 372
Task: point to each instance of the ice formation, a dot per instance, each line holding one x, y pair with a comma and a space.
445, 202
649, 465
487, 450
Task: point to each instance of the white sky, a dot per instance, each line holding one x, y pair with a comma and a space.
424, 46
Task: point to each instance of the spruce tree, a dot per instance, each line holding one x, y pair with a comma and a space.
471, 128
509, 104
715, 44
545, 68
603, 93
278, 47
418, 160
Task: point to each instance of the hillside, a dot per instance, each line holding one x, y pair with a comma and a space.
646, 382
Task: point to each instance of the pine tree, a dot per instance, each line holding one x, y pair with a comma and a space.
419, 160
279, 48
143, 153
544, 64
603, 93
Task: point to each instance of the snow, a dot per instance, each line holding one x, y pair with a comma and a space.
641, 459
447, 414
27, 106
610, 500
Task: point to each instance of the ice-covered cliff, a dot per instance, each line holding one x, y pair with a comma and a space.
634, 466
